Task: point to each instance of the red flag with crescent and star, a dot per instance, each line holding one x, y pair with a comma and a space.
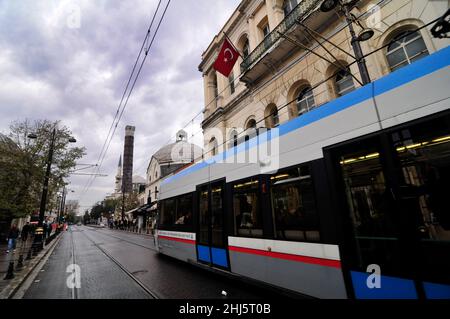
227, 58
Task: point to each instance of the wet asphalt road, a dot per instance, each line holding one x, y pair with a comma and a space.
120, 265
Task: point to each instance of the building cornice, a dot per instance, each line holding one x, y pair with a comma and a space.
214, 116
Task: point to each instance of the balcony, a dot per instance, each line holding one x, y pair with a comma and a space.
274, 48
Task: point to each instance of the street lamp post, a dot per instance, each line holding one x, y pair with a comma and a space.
38, 239
123, 204
364, 35
357, 49
62, 206
38, 243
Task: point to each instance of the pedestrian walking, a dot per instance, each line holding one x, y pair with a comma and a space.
49, 229
12, 238
44, 230
26, 229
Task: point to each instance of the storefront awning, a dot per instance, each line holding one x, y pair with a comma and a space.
131, 211
146, 208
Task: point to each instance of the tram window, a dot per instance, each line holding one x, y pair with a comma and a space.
293, 205
216, 215
247, 215
423, 151
168, 211
203, 235
184, 210
369, 200
425, 163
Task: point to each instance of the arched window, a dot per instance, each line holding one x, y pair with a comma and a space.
264, 31
250, 130
250, 124
215, 87
288, 6
231, 83
233, 139
404, 49
213, 146
271, 116
344, 82
246, 49
274, 117
305, 100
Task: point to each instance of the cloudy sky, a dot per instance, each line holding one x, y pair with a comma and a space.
69, 60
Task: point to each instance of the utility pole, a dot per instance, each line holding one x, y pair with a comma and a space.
357, 49
123, 204
39, 233
38, 239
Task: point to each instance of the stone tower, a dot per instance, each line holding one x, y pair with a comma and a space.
127, 170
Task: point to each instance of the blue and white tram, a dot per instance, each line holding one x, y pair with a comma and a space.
363, 185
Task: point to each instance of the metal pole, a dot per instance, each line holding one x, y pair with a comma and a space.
64, 202
60, 206
357, 49
123, 205
38, 239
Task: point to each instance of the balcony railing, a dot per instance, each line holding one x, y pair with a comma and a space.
298, 13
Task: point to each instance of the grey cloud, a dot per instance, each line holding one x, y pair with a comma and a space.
49, 70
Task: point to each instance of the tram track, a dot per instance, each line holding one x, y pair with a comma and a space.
149, 292
125, 240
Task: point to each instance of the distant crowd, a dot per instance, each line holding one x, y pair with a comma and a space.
28, 230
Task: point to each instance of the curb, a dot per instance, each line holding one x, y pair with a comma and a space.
15, 284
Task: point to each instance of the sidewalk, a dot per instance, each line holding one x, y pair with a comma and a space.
122, 230
9, 286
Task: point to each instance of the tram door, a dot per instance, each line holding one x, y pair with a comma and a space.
211, 235
396, 189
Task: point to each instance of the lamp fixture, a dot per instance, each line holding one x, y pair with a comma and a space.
365, 35
328, 5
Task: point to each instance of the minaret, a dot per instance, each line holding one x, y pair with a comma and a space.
118, 188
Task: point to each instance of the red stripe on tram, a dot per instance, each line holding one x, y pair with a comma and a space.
181, 240
297, 258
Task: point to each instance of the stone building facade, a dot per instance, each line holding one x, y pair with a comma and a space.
296, 57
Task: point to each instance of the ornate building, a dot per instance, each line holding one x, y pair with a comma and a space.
166, 161
296, 57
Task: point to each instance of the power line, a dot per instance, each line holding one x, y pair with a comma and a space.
90, 180
138, 73
136, 78
129, 79
131, 90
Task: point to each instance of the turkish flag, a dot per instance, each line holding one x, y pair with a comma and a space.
226, 59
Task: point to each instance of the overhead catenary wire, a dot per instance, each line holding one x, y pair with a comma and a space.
125, 91
147, 49
137, 76
90, 180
